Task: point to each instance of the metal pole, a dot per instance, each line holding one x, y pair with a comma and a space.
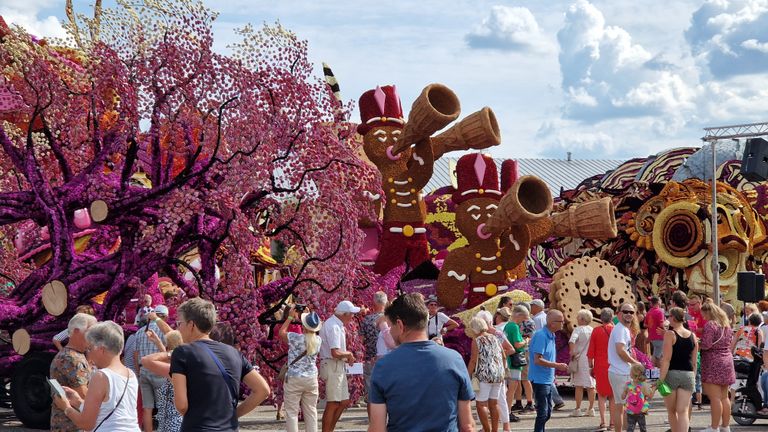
715, 263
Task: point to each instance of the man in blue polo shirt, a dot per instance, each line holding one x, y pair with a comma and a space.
542, 365
420, 386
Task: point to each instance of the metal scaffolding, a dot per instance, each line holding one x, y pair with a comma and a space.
712, 135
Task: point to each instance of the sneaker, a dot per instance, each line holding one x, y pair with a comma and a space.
590, 412
725, 429
529, 407
559, 406
513, 418
577, 413
709, 429
518, 406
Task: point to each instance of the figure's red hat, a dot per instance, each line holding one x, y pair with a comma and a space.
476, 177
380, 107
509, 174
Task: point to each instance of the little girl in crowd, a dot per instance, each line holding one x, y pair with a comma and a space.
637, 395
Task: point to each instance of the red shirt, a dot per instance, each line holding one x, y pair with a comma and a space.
698, 318
654, 320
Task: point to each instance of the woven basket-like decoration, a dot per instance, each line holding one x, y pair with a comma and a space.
640, 227
490, 305
588, 283
679, 234
594, 220
527, 201
477, 131
434, 109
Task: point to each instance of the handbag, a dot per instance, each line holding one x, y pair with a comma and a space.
663, 388
518, 360
573, 365
284, 369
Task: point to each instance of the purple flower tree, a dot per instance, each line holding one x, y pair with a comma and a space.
173, 148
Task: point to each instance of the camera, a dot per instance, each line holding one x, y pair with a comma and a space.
299, 307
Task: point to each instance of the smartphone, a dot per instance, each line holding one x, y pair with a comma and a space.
56, 388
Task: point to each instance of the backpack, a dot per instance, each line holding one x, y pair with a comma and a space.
636, 403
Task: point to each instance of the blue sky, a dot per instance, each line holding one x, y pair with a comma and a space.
601, 79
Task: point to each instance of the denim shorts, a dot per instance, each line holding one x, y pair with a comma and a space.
678, 379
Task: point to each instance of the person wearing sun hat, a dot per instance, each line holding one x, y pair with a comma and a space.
301, 385
438, 323
333, 355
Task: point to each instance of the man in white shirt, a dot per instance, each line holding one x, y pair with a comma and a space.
333, 355
538, 315
620, 361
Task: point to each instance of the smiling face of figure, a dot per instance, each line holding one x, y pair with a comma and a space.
378, 144
472, 214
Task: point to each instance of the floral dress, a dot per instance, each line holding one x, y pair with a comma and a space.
169, 420
716, 358
490, 367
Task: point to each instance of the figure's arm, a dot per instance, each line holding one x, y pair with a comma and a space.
421, 163
515, 243
454, 277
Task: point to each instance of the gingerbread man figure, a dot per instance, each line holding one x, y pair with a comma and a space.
479, 268
403, 176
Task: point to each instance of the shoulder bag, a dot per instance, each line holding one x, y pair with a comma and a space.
228, 379
284, 369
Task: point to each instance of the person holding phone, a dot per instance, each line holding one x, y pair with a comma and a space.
110, 403
71, 368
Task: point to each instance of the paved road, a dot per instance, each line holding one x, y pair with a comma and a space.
355, 419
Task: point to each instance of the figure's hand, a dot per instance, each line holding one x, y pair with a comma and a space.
561, 367
350, 358
151, 316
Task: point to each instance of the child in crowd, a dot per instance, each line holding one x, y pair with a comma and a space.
637, 395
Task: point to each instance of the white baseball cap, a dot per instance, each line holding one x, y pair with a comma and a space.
346, 306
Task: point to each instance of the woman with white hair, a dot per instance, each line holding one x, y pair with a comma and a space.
581, 378
110, 404
301, 377
486, 362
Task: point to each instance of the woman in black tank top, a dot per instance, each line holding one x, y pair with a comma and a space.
678, 366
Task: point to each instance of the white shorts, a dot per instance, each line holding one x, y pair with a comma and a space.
488, 391
618, 384
334, 373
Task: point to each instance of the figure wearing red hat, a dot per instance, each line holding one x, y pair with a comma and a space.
404, 152
403, 176
480, 267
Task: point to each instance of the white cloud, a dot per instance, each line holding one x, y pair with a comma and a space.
605, 74
26, 14
754, 44
726, 37
508, 29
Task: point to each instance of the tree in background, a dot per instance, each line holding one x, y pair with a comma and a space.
172, 148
